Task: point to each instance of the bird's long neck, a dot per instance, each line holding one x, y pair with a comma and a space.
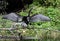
29, 13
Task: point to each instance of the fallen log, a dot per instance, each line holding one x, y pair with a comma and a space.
8, 28
17, 37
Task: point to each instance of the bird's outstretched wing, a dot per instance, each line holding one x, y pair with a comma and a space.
38, 18
13, 17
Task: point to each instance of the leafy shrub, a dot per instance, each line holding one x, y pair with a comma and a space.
47, 3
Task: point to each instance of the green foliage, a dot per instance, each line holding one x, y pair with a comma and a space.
22, 13
5, 23
54, 14
47, 8
47, 3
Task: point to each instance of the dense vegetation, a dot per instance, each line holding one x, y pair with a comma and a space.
50, 8
50, 11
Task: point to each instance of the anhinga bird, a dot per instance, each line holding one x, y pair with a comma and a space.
26, 19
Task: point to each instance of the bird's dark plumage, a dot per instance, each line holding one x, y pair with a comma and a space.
26, 19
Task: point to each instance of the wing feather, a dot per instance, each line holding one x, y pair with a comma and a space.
39, 17
12, 16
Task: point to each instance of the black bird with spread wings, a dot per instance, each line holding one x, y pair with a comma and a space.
26, 19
